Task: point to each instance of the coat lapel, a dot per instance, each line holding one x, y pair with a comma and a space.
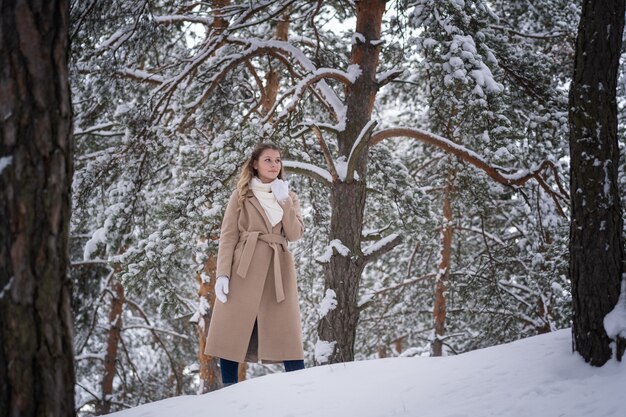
257, 205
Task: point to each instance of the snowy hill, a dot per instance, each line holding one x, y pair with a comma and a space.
537, 377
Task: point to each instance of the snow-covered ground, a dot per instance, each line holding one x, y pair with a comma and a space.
538, 377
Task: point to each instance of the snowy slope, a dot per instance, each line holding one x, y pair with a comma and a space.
537, 377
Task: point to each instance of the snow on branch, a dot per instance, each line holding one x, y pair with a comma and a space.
388, 76
328, 303
360, 144
169, 86
371, 234
280, 50
334, 247
116, 40
546, 35
517, 179
304, 84
141, 75
99, 130
381, 247
309, 170
176, 18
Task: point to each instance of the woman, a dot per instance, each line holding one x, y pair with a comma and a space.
257, 315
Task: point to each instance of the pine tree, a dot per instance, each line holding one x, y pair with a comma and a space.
36, 362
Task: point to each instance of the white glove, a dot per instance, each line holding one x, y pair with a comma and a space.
221, 288
280, 189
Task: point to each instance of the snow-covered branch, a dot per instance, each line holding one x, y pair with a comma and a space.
381, 247
388, 76
141, 75
334, 247
517, 179
309, 170
190, 18
359, 146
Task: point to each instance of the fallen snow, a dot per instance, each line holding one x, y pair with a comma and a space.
538, 376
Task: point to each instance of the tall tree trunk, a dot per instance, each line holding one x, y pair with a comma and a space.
443, 271
113, 339
596, 246
343, 273
36, 353
272, 78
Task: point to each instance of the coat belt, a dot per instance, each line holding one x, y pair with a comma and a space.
273, 240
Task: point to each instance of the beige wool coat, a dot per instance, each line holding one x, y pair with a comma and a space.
261, 318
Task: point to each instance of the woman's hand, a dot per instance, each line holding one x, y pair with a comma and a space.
221, 288
280, 189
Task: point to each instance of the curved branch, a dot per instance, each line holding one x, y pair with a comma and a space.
381, 247
326, 152
518, 179
358, 147
305, 84
308, 170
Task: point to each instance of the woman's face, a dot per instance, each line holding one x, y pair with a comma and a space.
268, 165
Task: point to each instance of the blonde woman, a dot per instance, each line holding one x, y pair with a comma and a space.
256, 316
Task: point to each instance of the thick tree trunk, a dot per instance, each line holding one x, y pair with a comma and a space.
113, 339
596, 246
36, 353
443, 271
343, 273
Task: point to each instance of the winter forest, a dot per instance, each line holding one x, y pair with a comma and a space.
430, 145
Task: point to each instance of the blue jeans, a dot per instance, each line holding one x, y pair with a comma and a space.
229, 369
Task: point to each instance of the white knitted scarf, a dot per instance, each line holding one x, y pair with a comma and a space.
263, 193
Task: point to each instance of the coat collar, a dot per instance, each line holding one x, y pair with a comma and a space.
255, 202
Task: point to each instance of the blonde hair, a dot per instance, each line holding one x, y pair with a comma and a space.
248, 171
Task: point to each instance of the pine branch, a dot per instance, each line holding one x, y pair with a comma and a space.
518, 179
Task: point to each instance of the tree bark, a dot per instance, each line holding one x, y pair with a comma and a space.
36, 352
272, 78
343, 273
596, 243
443, 271
113, 339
